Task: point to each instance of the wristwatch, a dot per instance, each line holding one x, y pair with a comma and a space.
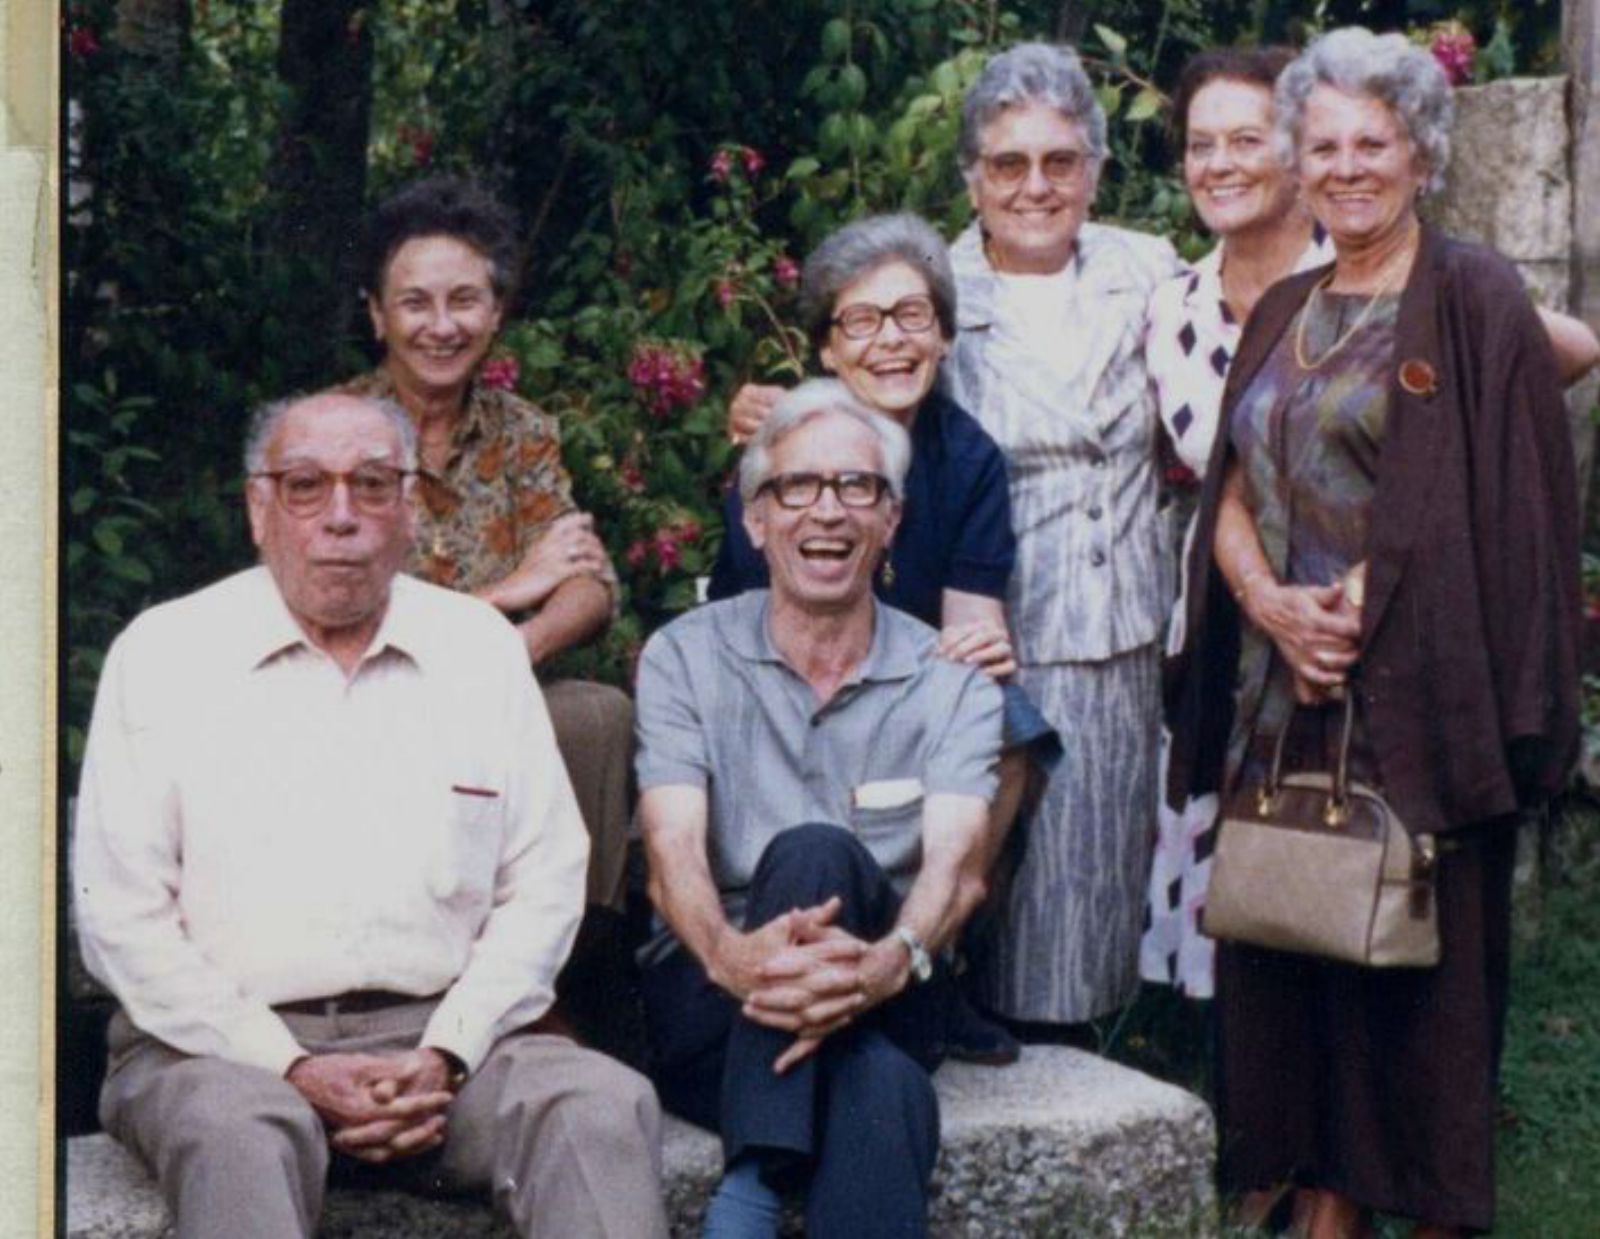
921, 961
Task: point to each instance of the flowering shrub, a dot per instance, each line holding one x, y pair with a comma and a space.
1453, 47
667, 376
672, 165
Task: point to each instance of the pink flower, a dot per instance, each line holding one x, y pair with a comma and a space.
501, 372
667, 550
1453, 47
667, 376
631, 476
637, 553
82, 42
754, 161
726, 291
786, 271
722, 165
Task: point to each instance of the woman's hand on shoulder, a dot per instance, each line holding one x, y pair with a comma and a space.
749, 408
981, 644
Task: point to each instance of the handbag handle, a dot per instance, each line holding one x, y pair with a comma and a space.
1337, 811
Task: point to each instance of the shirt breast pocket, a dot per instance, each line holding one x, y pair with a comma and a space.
471, 851
886, 815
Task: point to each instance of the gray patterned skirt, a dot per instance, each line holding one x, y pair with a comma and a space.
1065, 944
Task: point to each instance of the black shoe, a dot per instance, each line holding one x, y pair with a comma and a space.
971, 1038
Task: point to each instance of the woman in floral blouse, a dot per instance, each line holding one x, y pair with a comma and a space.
494, 513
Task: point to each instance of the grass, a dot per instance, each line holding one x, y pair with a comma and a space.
1549, 1135
1549, 1149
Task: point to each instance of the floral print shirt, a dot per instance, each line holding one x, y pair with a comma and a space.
501, 488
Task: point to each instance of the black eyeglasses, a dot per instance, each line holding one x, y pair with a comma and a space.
801, 490
911, 314
1061, 168
304, 490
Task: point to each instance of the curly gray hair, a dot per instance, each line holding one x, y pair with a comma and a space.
1030, 73
862, 247
810, 400
1385, 67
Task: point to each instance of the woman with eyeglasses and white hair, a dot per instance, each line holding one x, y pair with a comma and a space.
1389, 515
1049, 357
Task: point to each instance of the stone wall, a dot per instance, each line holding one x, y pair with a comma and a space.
1510, 186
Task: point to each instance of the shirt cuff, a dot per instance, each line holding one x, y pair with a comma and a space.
265, 1042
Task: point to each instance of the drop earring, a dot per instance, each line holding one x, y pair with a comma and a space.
886, 573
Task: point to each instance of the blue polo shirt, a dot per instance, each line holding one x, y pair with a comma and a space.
955, 526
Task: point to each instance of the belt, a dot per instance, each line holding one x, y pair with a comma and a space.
356, 1002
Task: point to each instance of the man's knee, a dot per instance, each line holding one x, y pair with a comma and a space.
208, 1112
589, 717
815, 847
600, 1103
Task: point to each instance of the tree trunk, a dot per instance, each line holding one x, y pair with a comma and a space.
318, 174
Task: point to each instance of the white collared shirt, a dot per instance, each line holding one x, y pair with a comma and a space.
254, 827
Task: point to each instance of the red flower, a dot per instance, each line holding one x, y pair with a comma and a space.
420, 140
1453, 47
632, 477
637, 553
754, 161
82, 42
722, 165
667, 550
667, 376
726, 291
786, 271
501, 372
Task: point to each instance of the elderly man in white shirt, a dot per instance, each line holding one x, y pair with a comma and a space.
327, 886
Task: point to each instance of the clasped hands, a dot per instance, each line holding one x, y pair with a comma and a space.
803, 974
378, 1107
1316, 628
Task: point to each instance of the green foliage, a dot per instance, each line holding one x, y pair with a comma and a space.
671, 163
113, 542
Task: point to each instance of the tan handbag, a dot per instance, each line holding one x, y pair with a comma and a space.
1312, 863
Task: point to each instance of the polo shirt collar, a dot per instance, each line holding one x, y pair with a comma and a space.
893, 655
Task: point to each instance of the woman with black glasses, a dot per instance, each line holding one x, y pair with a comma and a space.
878, 302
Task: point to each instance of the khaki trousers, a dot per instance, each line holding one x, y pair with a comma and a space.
594, 731
565, 1140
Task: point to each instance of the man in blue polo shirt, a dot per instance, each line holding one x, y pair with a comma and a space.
815, 783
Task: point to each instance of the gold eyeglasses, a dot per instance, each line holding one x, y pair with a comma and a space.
304, 490
1061, 168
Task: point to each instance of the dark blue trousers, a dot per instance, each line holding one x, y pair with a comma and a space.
857, 1122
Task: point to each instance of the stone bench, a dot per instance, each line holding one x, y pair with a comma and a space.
1063, 1143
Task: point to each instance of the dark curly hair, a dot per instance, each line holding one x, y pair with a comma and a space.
444, 206
1256, 66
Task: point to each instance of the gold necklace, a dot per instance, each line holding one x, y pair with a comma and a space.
1390, 273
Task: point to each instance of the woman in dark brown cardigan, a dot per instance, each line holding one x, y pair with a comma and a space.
1391, 511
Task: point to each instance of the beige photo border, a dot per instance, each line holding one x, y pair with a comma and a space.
29, 172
